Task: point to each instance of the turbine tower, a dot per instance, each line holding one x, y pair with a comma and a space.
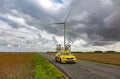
64, 24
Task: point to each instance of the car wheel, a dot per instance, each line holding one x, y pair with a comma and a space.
56, 60
61, 61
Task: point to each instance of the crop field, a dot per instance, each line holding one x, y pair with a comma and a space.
16, 66
106, 58
101, 58
27, 66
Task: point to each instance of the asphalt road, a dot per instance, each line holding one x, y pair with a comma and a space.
87, 70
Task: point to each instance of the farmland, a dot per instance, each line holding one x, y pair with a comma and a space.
15, 66
108, 58
27, 66
90, 70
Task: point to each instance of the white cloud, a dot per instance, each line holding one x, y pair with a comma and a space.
106, 2
51, 5
14, 11
48, 4
21, 24
18, 20
4, 25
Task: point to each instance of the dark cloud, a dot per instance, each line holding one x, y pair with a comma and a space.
6, 5
89, 20
101, 24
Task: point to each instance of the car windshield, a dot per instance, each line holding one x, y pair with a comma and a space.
66, 53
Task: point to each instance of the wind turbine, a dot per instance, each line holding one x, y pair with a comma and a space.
64, 24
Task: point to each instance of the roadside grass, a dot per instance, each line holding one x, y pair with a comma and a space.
45, 70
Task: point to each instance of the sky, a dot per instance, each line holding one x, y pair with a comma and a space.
28, 25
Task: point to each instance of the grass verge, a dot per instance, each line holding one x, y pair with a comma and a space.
45, 70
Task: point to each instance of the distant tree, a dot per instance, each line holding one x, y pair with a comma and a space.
110, 51
77, 52
98, 51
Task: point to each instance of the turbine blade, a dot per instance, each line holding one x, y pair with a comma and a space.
68, 15
57, 23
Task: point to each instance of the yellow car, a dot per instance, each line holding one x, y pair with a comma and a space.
65, 58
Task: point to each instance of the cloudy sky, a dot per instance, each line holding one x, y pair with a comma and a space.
27, 25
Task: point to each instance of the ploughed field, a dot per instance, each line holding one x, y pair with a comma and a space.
90, 70
108, 58
16, 66
27, 66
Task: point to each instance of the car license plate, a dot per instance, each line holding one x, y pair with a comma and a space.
69, 59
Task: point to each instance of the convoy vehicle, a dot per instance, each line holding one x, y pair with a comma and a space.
64, 55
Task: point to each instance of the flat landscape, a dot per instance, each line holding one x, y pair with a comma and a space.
16, 66
34, 66
108, 58
89, 70
27, 66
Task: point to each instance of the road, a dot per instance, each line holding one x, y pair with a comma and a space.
87, 70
